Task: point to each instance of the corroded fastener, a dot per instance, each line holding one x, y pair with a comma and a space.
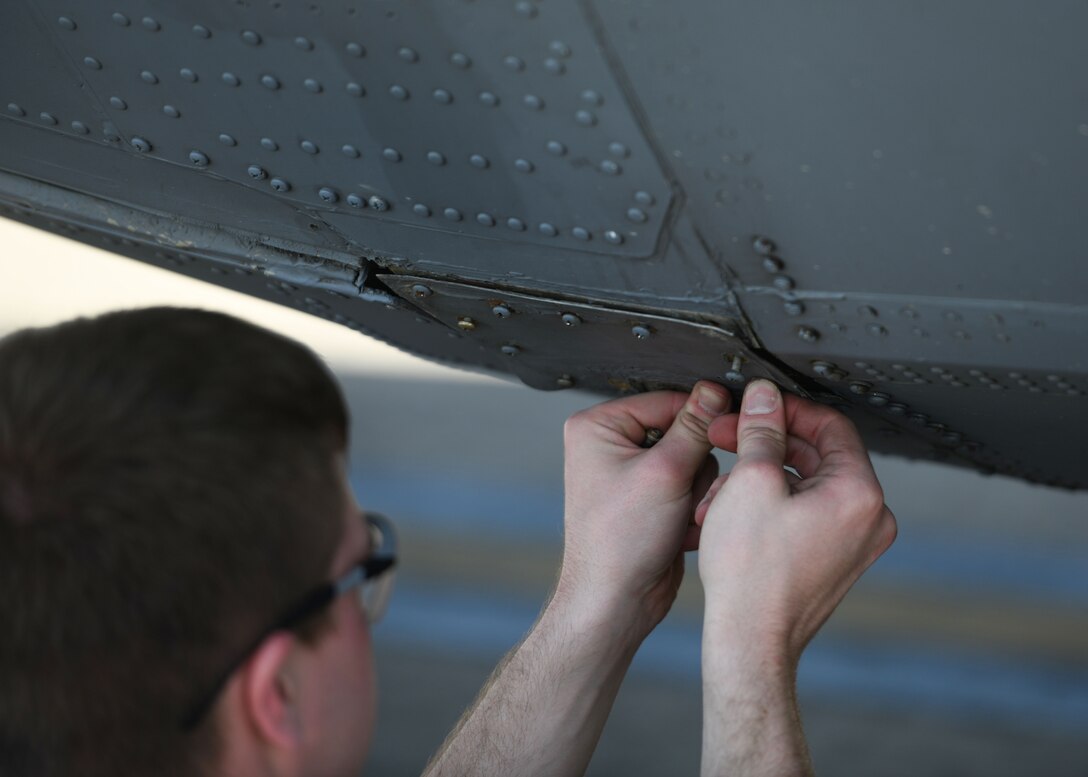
466, 324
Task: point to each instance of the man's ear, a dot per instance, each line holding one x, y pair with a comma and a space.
270, 694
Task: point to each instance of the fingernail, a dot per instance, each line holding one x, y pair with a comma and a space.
761, 398
711, 401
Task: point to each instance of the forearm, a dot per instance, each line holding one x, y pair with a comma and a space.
543, 709
751, 721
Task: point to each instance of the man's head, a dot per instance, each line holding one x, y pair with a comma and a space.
170, 482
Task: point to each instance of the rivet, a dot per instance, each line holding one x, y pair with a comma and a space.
610, 167
559, 48
377, 203
554, 66
794, 308
436, 158
327, 194
398, 92
421, 210
585, 118
523, 165
637, 215
457, 59
525, 8
581, 233
270, 81
592, 97
783, 282
868, 311
641, 332
355, 89
618, 149
121, 20
308, 146
570, 319
171, 111
555, 148
763, 245
92, 63
565, 381
304, 43
269, 145
612, 236
227, 140
878, 399
140, 144
510, 350
251, 37
391, 154
952, 438
514, 63
548, 230
66, 23
355, 49
201, 31
256, 172
860, 388
808, 334
420, 291
501, 311
199, 158
823, 368
109, 132
230, 79
489, 99
479, 161
188, 75
312, 85
532, 102
16, 110
515, 224
644, 198
81, 128
918, 419
408, 54
118, 103
897, 408
466, 324
773, 264
355, 201
735, 375
452, 214
280, 185
876, 330
442, 96
47, 118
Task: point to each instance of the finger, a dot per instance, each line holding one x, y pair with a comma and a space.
685, 444
704, 479
800, 454
628, 418
761, 433
708, 499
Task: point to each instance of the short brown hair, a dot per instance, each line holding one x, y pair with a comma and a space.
167, 487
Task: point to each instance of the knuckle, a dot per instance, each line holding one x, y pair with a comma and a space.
692, 424
764, 436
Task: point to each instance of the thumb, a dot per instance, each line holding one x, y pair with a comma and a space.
761, 428
686, 440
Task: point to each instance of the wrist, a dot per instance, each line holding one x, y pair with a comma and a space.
602, 613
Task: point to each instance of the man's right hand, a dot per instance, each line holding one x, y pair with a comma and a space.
777, 554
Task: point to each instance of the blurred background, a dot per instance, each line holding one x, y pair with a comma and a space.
964, 651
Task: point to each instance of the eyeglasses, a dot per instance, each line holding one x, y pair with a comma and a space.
372, 578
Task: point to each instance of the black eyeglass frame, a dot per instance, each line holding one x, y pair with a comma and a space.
380, 560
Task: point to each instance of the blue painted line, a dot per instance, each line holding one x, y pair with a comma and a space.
469, 623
